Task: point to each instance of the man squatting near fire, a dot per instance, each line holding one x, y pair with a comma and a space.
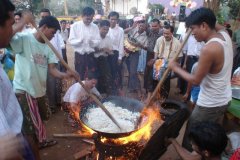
76, 96
213, 72
33, 60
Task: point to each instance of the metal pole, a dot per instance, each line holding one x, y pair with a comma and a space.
123, 7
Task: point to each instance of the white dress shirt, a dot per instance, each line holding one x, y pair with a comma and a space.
57, 42
76, 93
84, 38
11, 117
105, 43
193, 46
117, 36
64, 34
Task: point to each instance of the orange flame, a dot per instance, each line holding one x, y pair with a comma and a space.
150, 117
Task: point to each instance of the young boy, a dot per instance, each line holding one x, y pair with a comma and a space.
33, 60
208, 140
103, 55
76, 96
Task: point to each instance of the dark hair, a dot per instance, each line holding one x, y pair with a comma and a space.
209, 136
104, 23
45, 10
165, 23
19, 13
92, 75
112, 14
6, 6
169, 27
230, 32
201, 15
155, 20
141, 21
50, 22
88, 11
63, 21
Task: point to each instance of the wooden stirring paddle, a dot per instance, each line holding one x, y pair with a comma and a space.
76, 77
160, 83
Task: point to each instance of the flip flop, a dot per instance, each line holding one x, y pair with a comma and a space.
47, 143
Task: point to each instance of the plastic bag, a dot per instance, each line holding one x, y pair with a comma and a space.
159, 68
236, 77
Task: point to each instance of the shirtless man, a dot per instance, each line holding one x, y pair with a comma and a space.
213, 72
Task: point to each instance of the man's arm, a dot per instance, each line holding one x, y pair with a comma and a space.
27, 17
184, 154
121, 47
204, 66
127, 30
56, 73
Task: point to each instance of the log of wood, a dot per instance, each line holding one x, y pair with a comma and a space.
83, 153
88, 141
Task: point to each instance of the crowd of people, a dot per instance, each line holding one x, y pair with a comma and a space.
100, 51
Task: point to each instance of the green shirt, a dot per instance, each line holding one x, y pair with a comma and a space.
31, 64
236, 37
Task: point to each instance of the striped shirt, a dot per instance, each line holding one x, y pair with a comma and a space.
10, 112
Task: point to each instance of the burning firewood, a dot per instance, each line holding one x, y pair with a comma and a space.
84, 153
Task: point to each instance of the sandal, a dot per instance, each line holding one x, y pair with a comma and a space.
47, 143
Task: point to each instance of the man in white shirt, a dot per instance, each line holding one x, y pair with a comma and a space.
76, 96
84, 37
65, 34
193, 48
116, 33
103, 51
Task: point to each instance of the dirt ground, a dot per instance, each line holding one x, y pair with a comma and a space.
67, 147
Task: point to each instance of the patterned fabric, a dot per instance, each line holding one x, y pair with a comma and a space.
37, 121
236, 155
8, 64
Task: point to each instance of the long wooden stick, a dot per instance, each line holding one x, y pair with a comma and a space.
74, 135
160, 83
77, 78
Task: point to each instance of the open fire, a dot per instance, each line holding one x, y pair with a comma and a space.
128, 146
151, 116
147, 141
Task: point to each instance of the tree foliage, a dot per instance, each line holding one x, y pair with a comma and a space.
154, 7
234, 6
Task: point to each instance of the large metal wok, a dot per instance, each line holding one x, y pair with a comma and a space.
124, 102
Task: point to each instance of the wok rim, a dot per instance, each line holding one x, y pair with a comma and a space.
114, 135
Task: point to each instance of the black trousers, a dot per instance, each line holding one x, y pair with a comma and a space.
236, 60
105, 81
189, 63
116, 72
85, 63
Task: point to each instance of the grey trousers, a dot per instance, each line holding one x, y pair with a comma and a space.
201, 114
54, 90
